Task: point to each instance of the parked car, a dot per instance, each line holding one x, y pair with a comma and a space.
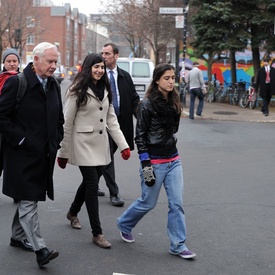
141, 71
59, 75
73, 72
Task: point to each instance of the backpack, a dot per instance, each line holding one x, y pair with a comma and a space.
21, 90
21, 87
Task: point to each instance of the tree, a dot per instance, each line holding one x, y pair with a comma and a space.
231, 25
140, 22
14, 26
211, 31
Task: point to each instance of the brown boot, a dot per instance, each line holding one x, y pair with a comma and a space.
101, 241
75, 224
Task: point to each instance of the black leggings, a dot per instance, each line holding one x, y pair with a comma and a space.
87, 191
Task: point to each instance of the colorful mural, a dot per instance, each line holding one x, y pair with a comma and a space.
244, 68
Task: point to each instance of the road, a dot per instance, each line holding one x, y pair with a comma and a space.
229, 204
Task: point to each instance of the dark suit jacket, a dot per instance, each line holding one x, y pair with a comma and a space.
261, 85
129, 100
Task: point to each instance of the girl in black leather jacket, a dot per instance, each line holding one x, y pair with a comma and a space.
158, 119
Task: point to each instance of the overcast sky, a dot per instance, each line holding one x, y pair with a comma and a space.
86, 7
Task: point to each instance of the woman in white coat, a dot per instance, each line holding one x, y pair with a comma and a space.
89, 116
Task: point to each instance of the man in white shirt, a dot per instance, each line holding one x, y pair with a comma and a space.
196, 83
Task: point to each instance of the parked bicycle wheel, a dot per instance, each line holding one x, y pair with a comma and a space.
243, 102
235, 97
253, 100
210, 97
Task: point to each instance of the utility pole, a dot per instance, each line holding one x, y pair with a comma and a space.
185, 12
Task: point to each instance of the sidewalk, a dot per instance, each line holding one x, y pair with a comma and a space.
225, 111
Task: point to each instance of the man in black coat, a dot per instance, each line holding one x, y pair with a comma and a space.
265, 82
31, 137
128, 100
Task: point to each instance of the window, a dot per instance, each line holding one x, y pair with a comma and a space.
124, 65
30, 22
68, 22
30, 39
141, 69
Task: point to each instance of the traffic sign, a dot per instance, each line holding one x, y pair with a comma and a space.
165, 10
179, 21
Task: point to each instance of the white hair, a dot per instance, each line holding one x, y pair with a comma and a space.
41, 48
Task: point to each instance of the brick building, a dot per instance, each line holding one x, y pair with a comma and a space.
38, 21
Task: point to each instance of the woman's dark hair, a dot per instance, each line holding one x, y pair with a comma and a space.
153, 92
83, 80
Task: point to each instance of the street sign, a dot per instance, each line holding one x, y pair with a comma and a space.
170, 10
179, 21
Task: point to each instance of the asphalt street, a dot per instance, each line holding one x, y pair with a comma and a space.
228, 199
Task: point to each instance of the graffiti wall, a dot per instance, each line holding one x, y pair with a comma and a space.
221, 69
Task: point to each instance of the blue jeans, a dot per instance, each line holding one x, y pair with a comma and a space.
197, 92
169, 174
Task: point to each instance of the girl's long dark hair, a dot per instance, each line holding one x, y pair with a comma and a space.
83, 80
153, 92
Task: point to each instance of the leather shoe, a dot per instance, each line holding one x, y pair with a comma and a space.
100, 193
101, 241
116, 201
44, 256
75, 224
24, 244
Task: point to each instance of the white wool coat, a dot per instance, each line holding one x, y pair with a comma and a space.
86, 130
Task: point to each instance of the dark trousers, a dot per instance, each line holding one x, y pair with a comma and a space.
87, 191
197, 92
108, 171
266, 100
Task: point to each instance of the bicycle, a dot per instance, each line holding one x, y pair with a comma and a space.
239, 89
252, 96
225, 92
213, 91
245, 97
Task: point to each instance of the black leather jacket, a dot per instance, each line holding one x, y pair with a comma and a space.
155, 130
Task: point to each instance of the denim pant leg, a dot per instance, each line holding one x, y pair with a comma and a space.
201, 100
192, 103
176, 227
148, 200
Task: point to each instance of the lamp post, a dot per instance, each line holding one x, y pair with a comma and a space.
186, 8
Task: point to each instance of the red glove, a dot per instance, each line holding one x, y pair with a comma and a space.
62, 162
125, 154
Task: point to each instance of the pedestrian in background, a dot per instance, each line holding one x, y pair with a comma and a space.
265, 84
89, 117
196, 85
31, 138
125, 100
11, 62
158, 120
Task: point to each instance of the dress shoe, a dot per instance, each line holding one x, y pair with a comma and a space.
24, 244
100, 193
75, 224
266, 114
116, 201
44, 256
101, 241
